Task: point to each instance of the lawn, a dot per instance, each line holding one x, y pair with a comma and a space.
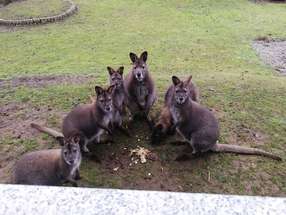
212, 40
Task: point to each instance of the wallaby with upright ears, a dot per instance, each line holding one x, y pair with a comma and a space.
199, 126
139, 87
165, 124
89, 120
50, 167
118, 97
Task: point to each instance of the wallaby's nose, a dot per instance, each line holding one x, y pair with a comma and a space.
71, 161
108, 108
181, 99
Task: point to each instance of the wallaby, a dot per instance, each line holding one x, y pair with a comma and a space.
139, 87
199, 126
165, 124
118, 97
89, 120
50, 167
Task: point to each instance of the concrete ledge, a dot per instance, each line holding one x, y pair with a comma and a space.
18, 199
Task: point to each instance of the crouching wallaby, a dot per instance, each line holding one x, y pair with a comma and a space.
199, 126
118, 98
50, 167
90, 121
139, 87
165, 123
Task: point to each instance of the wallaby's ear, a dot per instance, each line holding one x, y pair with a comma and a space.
120, 70
133, 57
110, 89
175, 80
76, 138
144, 56
98, 90
189, 79
110, 70
60, 140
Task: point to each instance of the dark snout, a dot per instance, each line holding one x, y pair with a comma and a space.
181, 99
108, 108
139, 75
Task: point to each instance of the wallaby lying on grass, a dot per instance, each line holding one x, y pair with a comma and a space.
199, 126
118, 97
139, 87
165, 123
50, 167
89, 120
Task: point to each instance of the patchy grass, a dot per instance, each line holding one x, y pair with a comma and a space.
209, 39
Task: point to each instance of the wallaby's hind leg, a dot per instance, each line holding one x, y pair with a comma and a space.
77, 175
200, 142
149, 121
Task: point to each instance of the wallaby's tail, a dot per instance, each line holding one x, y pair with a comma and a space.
46, 130
243, 150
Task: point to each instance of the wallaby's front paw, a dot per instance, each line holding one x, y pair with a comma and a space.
85, 149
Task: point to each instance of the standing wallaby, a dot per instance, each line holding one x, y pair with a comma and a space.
139, 87
90, 121
199, 126
165, 123
50, 167
118, 97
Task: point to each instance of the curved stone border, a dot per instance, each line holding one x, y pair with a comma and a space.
42, 20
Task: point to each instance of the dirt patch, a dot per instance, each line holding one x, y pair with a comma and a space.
118, 169
43, 81
15, 119
272, 52
152, 175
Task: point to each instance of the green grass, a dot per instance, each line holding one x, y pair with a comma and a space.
209, 39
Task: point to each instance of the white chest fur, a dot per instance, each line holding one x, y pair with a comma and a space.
75, 166
141, 93
176, 115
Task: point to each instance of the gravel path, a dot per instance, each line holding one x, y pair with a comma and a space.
272, 53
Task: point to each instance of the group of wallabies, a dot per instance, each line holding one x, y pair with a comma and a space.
182, 113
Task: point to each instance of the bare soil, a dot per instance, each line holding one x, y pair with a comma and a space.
43, 81
272, 52
15, 119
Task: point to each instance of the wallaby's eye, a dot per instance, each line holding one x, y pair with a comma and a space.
74, 150
101, 100
143, 67
65, 153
